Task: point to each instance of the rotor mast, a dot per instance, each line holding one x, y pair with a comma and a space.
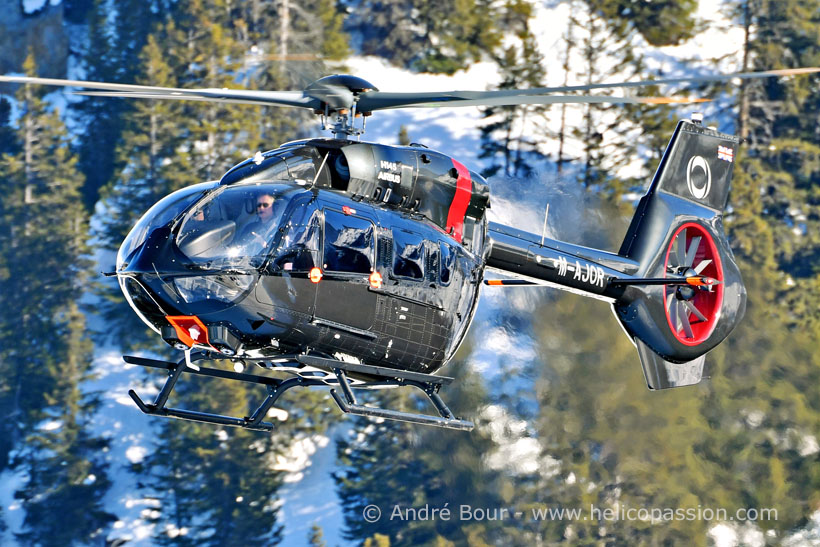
339, 95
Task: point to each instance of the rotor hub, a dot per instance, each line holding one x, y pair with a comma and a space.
339, 95
686, 292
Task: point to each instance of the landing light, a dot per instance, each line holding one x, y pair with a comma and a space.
315, 275
376, 280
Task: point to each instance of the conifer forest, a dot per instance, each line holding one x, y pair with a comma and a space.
564, 420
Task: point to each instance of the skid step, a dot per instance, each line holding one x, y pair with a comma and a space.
321, 362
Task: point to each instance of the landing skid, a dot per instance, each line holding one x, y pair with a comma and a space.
305, 374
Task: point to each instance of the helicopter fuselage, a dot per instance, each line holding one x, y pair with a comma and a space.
385, 270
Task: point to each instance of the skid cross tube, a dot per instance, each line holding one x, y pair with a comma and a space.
347, 403
275, 388
365, 376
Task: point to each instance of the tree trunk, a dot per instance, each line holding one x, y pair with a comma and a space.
284, 30
743, 121
563, 127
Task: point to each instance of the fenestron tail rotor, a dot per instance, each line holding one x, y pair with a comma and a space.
692, 309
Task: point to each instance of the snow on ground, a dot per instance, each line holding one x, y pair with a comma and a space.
13, 513
33, 6
131, 434
810, 535
517, 452
309, 495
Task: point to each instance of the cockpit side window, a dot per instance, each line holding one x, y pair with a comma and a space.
349, 243
298, 250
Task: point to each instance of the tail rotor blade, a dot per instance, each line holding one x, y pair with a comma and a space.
670, 300
673, 311
691, 307
682, 248
702, 266
684, 317
693, 249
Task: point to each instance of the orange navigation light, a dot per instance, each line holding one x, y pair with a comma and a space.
702, 281
315, 274
376, 280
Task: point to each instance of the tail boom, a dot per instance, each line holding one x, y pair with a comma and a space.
674, 285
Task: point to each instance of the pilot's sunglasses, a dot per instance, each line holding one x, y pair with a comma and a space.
263, 205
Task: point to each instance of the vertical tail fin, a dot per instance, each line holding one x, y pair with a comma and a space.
678, 231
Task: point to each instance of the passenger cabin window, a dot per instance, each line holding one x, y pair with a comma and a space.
448, 260
408, 254
349, 243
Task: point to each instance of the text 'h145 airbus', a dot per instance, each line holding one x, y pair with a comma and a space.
358, 265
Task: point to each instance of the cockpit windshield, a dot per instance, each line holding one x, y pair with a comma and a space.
235, 227
163, 212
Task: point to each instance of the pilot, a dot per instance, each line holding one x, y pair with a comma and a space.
259, 232
198, 216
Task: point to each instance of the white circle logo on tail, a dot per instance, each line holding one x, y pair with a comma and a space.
698, 177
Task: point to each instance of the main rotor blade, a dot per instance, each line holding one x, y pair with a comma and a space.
243, 96
378, 100
686, 79
303, 102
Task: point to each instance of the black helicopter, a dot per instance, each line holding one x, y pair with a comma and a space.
358, 265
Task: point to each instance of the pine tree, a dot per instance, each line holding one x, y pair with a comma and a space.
316, 537
154, 162
605, 54
44, 353
381, 468
66, 470
520, 67
205, 55
224, 474
440, 37
334, 41
7, 141
101, 116
399, 466
661, 23
784, 142
603, 33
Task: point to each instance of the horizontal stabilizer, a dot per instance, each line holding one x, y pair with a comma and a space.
663, 374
